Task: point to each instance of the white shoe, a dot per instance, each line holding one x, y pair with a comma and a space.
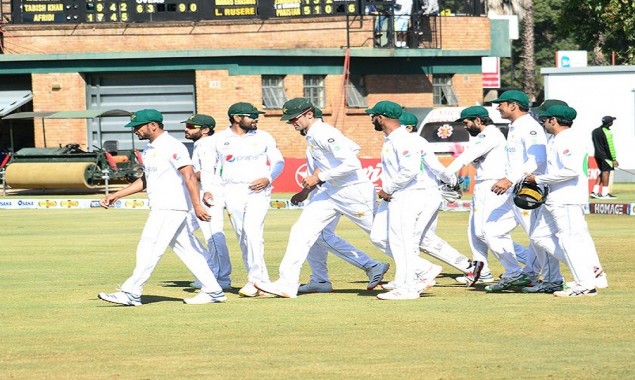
249, 290
426, 280
203, 298
389, 286
121, 298
278, 289
316, 287
485, 278
376, 274
576, 291
601, 281
398, 294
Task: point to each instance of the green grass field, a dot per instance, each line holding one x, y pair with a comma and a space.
54, 262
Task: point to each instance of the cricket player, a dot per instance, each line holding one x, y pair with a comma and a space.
431, 243
248, 162
526, 153
173, 190
486, 152
200, 129
409, 202
344, 190
560, 228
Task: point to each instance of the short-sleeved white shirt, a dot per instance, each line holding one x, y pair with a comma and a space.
162, 160
334, 154
245, 158
526, 148
486, 152
401, 162
567, 169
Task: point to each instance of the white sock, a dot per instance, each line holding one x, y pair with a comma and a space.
596, 189
605, 190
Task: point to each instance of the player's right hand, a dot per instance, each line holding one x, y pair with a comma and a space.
208, 199
107, 201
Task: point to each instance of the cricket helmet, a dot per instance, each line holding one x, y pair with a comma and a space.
529, 196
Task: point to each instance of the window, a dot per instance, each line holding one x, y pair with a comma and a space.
314, 90
356, 92
273, 94
442, 92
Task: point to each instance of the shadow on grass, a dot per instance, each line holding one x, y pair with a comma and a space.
145, 300
154, 299
187, 288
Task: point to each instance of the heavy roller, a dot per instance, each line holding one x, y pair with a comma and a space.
69, 167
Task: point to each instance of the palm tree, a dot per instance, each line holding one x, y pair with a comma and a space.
524, 10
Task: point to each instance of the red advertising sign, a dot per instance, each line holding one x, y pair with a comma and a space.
295, 169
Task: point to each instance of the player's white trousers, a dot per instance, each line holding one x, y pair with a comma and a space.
436, 247
247, 210
493, 219
328, 241
165, 228
217, 256
401, 223
356, 202
562, 231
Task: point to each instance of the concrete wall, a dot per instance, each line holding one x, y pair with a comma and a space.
596, 92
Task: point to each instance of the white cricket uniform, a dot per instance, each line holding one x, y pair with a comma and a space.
347, 191
244, 159
402, 222
526, 153
561, 228
430, 242
167, 224
487, 153
218, 254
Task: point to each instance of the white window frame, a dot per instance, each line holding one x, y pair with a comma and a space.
273, 94
315, 89
442, 92
356, 93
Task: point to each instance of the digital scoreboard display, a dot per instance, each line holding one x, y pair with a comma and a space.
131, 11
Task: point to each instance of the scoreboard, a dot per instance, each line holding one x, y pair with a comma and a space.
131, 11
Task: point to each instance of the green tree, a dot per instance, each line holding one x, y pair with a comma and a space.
546, 16
603, 27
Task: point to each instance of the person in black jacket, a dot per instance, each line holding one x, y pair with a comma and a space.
605, 157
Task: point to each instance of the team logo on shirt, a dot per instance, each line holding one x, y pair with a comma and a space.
230, 158
566, 153
175, 156
533, 133
445, 131
406, 153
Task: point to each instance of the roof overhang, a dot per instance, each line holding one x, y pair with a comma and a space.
12, 100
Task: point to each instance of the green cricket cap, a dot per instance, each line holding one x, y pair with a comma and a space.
408, 119
472, 112
145, 116
513, 96
243, 108
386, 108
546, 104
561, 112
295, 107
201, 120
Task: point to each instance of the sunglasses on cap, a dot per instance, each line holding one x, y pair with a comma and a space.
295, 119
249, 115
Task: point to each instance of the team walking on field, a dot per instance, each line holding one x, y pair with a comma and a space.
535, 177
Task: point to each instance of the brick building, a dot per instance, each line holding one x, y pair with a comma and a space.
186, 66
